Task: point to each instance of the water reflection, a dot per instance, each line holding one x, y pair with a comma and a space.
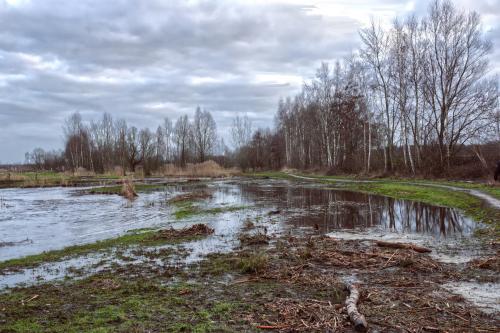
329, 210
36, 220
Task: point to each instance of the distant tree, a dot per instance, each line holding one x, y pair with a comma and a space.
168, 133
241, 131
204, 134
159, 146
133, 148
182, 136
38, 158
147, 149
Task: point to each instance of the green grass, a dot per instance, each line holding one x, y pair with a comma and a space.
487, 188
138, 304
253, 263
426, 194
131, 238
186, 209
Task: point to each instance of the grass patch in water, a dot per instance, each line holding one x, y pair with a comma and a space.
148, 238
215, 296
186, 209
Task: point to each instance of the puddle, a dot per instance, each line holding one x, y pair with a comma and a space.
37, 220
448, 250
329, 210
486, 296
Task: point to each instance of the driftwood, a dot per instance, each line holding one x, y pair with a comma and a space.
358, 320
408, 246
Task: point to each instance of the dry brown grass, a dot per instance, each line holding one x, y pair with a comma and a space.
82, 172
128, 190
205, 169
12, 176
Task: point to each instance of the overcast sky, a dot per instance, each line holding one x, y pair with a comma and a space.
146, 60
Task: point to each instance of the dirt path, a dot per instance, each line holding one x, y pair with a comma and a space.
490, 200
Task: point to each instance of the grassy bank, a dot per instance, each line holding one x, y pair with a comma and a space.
144, 237
490, 189
51, 178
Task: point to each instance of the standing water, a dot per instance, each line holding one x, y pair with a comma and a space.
42, 219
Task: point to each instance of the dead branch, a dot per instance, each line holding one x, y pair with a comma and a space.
356, 318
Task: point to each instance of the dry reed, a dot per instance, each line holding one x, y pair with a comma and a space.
205, 169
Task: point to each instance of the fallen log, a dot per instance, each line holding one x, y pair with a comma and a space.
409, 246
358, 320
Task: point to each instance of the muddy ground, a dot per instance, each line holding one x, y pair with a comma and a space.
285, 268
294, 284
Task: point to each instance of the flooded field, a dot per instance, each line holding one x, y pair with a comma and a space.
42, 219
240, 214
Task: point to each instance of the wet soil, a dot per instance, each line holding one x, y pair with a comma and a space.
297, 285
279, 264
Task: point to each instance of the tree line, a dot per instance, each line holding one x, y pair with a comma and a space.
106, 144
412, 99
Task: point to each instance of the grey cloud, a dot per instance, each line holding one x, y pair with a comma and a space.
140, 60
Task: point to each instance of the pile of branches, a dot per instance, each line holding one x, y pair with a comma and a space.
326, 251
303, 316
491, 263
258, 238
195, 230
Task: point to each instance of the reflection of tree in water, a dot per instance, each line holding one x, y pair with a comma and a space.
408, 216
329, 210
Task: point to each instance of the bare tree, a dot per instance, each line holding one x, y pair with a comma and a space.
147, 149
204, 133
241, 131
168, 133
121, 130
133, 148
456, 63
376, 54
160, 146
182, 134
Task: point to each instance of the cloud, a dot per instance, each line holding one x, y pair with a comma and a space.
146, 60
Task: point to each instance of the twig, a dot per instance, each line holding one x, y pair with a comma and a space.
271, 327
390, 258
